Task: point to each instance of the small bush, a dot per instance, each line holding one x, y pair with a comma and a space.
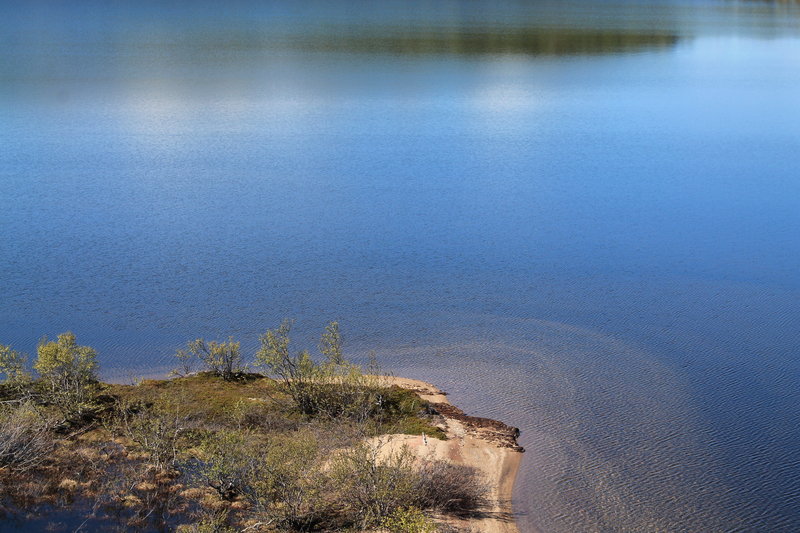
375, 485
281, 478
229, 464
221, 358
450, 488
294, 481
25, 437
209, 522
156, 429
408, 520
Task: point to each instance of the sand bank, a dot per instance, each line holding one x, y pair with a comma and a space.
487, 445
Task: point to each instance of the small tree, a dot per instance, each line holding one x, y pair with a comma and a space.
330, 344
299, 373
221, 358
68, 374
333, 387
186, 363
13, 365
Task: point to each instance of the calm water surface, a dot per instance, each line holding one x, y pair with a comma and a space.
579, 217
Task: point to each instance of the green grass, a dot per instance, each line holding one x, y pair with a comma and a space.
211, 401
204, 396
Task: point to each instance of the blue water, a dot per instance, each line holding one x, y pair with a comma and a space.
579, 217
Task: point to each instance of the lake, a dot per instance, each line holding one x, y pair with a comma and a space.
578, 217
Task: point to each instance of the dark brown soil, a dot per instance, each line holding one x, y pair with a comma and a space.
487, 429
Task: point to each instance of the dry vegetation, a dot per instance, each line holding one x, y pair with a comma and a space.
223, 449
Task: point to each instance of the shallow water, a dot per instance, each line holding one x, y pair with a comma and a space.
578, 217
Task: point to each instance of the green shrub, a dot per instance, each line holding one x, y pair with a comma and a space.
230, 463
374, 484
294, 480
156, 429
221, 358
68, 375
281, 477
408, 520
13, 365
333, 388
25, 436
209, 522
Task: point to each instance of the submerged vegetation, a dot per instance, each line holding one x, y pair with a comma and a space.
222, 449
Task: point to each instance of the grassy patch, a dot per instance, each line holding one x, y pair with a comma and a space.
202, 397
259, 403
405, 412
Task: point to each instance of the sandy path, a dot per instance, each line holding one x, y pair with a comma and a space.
469, 443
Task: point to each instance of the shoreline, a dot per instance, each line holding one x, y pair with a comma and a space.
487, 445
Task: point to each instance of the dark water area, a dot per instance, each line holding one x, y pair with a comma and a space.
578, 217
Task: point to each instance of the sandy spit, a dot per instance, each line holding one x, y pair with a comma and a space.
484, 444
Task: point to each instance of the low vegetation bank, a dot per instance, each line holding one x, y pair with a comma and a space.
220, 448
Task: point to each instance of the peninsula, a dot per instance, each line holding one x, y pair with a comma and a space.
309, 444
